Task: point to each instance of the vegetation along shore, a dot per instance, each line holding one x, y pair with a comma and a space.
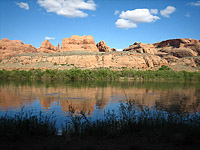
163, 73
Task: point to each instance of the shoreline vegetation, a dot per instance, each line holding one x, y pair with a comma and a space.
164, 73
134, 127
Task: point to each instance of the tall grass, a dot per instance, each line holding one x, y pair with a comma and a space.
99, 74
132, 119
27, 124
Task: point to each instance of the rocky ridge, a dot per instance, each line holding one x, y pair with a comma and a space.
175, 47
81, 51
9, 48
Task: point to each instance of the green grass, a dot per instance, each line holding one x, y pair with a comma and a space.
163, 74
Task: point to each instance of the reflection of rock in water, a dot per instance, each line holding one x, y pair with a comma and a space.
100, 99
86, 98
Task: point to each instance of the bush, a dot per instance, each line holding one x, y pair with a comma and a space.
163, 67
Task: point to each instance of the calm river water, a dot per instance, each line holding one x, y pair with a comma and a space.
96, 97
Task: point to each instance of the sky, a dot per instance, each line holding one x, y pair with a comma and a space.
119, 23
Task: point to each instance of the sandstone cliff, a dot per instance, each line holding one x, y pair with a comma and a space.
79, 43
68, 60
47, 47
10, 48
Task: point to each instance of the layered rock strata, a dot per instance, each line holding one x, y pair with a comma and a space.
117, 60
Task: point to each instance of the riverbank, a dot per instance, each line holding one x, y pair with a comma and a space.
132, 128
164, 73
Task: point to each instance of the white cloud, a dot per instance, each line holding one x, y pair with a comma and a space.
167, 11
130, 18
117, 12
154, 11
187, 15
68, 8
123, 23
49, 38
138, 16
23, 5
194, 3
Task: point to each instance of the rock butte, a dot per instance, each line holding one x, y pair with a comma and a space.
79, 43
47, 47
84, 53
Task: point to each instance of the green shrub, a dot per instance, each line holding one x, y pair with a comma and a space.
163, 67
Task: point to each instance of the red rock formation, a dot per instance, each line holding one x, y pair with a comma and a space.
188, 47
79, 43
180, 52
47, 47
141, 48
58, 47
113, 49
10, 48
103, 47
172, 42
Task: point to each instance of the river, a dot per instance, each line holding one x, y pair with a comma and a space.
96, 97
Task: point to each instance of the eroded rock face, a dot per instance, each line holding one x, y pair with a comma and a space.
179, 47
107, 60
175, 47
79, 43
103, 47
141, 48
175, 43
47, 47
10, 48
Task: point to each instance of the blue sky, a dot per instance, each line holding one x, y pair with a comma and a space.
119, 23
